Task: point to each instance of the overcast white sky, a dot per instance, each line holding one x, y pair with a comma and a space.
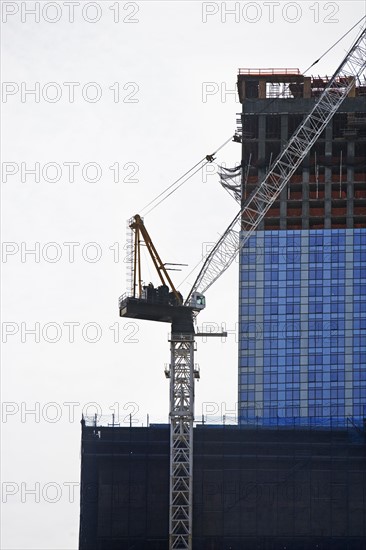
159, 58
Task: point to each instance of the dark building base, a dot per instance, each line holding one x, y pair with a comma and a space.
254, 489
252, 543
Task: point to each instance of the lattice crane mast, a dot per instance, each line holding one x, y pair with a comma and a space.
166, 304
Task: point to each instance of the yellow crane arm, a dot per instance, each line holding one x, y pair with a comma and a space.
140, 230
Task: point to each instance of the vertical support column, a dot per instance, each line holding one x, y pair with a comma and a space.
181, 440
348, 324
350, 184
130, 258
283, 194
328, 176
262, 119
307, 86
262, 87
305, 193
304, 325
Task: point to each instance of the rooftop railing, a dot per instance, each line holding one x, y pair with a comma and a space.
264, 72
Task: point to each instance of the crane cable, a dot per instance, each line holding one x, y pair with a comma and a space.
176, 181
174, 190
189, 173
335, 43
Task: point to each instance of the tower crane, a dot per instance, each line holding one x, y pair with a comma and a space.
165, 304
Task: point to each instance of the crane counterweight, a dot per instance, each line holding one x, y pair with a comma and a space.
139, 308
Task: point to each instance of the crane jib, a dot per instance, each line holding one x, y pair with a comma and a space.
278, 175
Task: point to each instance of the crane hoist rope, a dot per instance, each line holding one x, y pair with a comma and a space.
189, 173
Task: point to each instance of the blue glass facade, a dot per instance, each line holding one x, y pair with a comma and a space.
302, 322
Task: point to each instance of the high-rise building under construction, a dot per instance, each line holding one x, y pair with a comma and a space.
302, 365
302, 352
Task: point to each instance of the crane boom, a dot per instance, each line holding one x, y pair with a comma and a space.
280, 172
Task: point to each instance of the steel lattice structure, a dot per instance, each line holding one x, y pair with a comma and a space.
181, 440
280, 172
